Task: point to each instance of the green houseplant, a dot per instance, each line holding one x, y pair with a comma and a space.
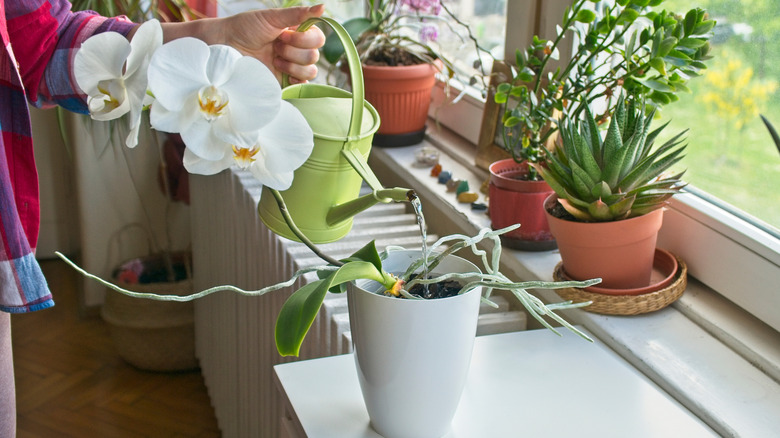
633, 46
619, 180
397, 43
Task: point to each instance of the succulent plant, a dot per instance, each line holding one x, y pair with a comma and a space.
617, 177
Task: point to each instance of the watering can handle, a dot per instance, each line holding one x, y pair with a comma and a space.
355, 73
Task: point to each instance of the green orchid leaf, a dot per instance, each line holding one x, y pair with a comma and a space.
368, 253
298, 312
297, 315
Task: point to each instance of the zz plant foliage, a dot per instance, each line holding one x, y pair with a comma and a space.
625, 44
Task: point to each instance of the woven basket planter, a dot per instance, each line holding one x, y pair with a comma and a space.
152, 335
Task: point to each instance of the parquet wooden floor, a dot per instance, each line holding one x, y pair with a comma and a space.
71, 383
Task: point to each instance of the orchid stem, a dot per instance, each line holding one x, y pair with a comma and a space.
305, 240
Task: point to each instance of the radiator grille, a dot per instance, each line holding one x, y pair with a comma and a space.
234, 334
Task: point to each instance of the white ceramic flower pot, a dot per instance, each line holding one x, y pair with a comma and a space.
412, 356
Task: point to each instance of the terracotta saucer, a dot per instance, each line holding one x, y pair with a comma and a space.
664, 269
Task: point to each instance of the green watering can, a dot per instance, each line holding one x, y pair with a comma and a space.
324, 195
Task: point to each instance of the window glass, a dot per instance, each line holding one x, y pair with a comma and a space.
730, 154
486, 20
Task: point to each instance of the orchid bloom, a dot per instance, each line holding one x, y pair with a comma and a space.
228, 109
112, 72
282, 145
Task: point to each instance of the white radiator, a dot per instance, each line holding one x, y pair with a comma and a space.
235, 334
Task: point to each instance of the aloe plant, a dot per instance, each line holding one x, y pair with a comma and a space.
617, 177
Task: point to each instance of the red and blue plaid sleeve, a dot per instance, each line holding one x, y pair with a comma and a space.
39, 38
45, 35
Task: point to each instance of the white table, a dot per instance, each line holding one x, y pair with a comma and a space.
531, 383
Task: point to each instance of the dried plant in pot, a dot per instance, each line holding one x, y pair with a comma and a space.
610, 193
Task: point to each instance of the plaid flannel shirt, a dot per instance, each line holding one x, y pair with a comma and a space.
39, 40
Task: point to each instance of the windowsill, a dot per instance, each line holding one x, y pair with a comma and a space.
718, 361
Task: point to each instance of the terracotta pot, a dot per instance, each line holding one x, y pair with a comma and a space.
514, 200
621, 253
402, 96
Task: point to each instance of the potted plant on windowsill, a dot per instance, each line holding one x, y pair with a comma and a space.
610, 193
397, 43
623, 45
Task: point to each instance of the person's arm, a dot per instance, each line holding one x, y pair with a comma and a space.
268, 35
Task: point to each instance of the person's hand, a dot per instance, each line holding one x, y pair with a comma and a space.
269, 35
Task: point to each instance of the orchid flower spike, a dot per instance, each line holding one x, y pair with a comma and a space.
112, 72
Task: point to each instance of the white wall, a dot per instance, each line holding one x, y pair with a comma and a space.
58, 198
116, 188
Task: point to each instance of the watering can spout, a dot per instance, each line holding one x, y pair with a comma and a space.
346, 210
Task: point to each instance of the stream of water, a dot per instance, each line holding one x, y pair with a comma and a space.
417, 206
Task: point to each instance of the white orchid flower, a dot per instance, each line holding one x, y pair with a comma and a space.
212, 95
282, 146
112, 72
229, 110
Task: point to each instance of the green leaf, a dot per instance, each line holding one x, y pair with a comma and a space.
627, 16
704, 27
298, 312
666, 46
367, 253
583, 183
693, 43
333, 50
519, 59
511, 121
659, 65
599, 211
526, 74
657, 85
691, 18
588, 160
585, 16
297, 315
613, 154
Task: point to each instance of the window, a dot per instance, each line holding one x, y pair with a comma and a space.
731, 155
727, 227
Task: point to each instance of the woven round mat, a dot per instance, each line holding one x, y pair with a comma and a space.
627, 304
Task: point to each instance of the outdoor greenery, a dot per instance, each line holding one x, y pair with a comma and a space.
730, 153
